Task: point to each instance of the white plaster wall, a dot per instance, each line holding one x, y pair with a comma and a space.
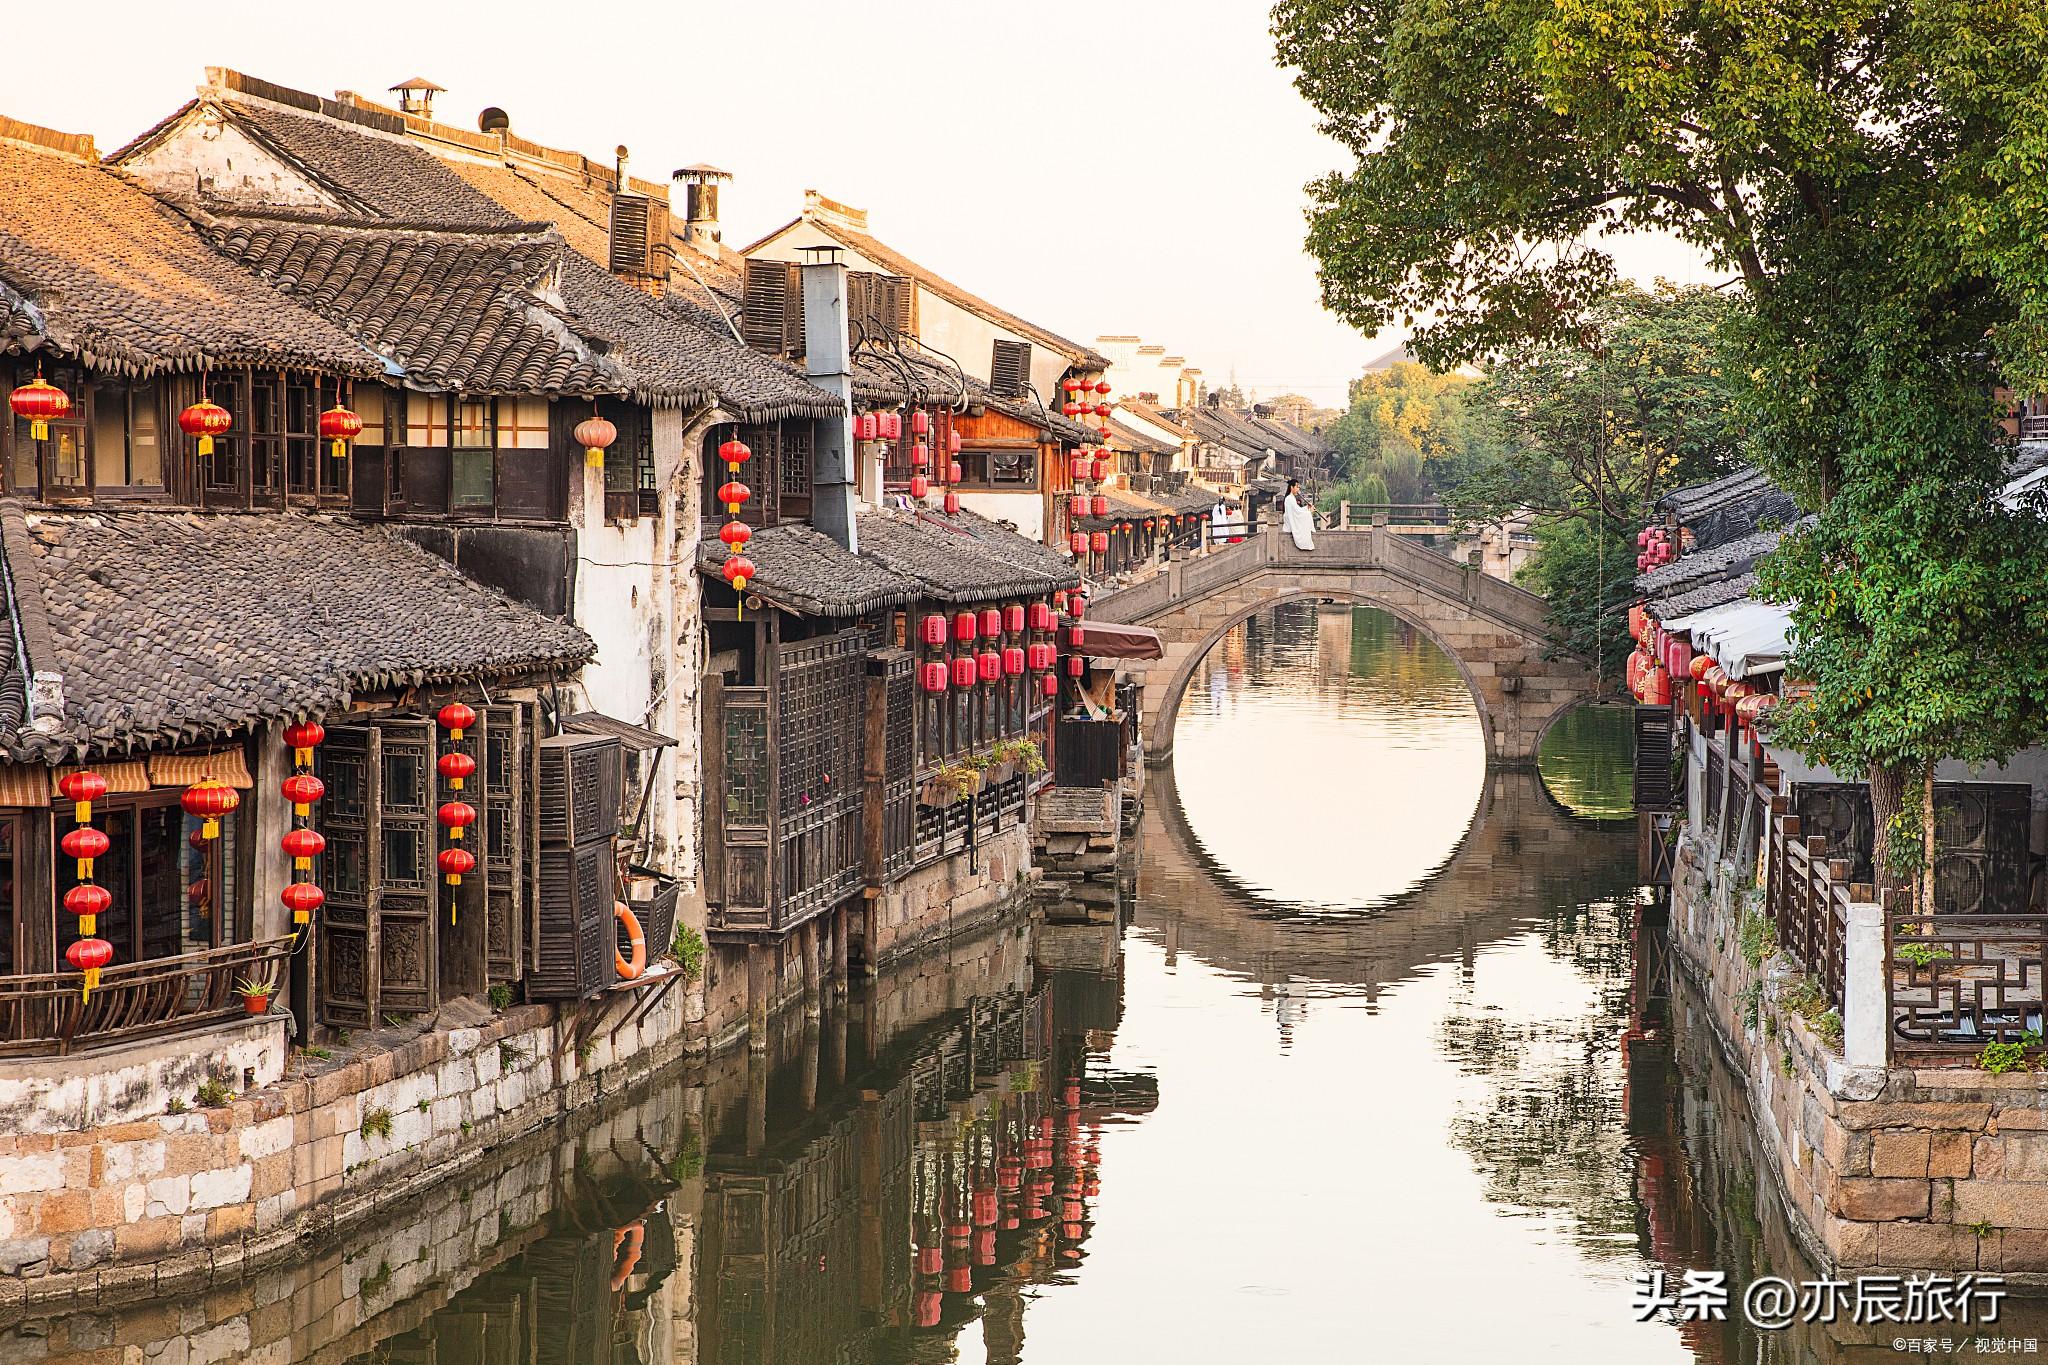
1026, 510
204, 153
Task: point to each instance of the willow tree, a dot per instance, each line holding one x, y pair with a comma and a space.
1874, 176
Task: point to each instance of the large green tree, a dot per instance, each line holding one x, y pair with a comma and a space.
1404, 423
1873, 172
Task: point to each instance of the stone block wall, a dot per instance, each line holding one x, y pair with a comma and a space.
176, 1196
1898, 1167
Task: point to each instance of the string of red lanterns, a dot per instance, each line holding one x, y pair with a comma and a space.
88, 900
302, 843
738, 569
455, 814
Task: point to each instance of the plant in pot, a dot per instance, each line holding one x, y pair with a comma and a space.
255, 994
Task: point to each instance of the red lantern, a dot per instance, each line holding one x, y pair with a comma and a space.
456, 717
39, 401
454, 862
963, 671
205, 419
1070, 409
1074, 636
1077, 506
1099, 505
1077, 605
934, 677
891, 425
988, 665
87, 901
209, 800
200, 894
595, 435
991, 622
963, 626
953, 443
1102, 409
302, 790
303, 738
85, 844
952, 503
1636, 621
1051, 685
1072, 385
1040, 616
302, 899
82, 788
953, 474
456, 816
932, 629
1013, 660
1076, 665
1100, 470
920, 422
1658, 686
865, 427
302, 846
1080, 465
1697, 668
920, 486
735, 534
1077, 543
738, 570
1099, 542
1013, 617
1102, 386
1643, 539
735, 453
340, 426
89, 955
920, 455
732, 493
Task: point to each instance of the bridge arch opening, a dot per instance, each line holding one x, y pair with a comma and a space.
1331, 754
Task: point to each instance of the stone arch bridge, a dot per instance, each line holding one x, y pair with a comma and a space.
1493, 631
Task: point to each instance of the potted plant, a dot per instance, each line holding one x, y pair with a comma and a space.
255, 994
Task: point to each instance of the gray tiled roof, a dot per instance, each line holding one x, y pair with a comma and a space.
174, 627
1721, 561
1715, 594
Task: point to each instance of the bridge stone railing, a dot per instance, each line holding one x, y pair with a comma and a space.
1359, 548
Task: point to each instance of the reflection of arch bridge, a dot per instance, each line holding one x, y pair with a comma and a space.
1493, 631
1522, 852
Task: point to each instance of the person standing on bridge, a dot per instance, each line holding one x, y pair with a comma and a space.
1298, 517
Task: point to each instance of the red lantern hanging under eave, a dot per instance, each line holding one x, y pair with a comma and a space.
920, 487
1077, 506
85, 844
302, 899
1099, 505
455, 817
1099, 469
920, 455
1102, 386
963, 671
89, 955
1078, 543
932, 629
339, 426
205, 419
920, 422
1077, 605
739, 571
595, 435
963, 626
304, 738
865, 426
454, 862
1051, 685
1013, 661
82, 788
302, 790
735, 453
1013, 617
38, 402
933, 676
302, 846
732, 493
1098, 541
1076, 665
988, 666
88, 901
1079, 467
208, 800
1040, 616
991, 622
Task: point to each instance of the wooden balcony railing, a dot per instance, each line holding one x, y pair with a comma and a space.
42, 1014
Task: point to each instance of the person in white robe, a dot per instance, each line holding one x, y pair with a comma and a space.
1298, 517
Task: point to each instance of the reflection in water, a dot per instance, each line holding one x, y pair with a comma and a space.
1237, 1129
1586, 762
1328, 757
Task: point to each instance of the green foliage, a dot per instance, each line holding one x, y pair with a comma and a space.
1587, 571
318, 1054
1871, 172
1999, 1058
1921, 954
213, 1093
376, 1123
1752, 999
1759, 939
175, 1105
1024, 752
500, 996
688, 950
1405, 424
509, 1057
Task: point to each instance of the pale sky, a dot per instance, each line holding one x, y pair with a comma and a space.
1121, 167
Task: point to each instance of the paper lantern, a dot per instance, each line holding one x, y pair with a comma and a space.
208, 800
1077, 543
933, 676
302, 846
1697, 668
1076, 665
963, 626
302, 899
953, 443
963, 671
1077, 605
1074, 636
952, 503
1040, 616
732, 493
735, 534
1013, 661
1102, 386
88, 901
734, 453
1079, 467
304, 738
1013, 617
1099, 542
920, 422
988, 666
920, 487
85, 844
339, 426
891, 426
89, 955
1077, 506
1099, 469
991, 622
932, 629
456, 717
595, 435
1051, 686
302, 790
205, 419
865, 427
738, 571
82, 788
920, 455
456, 816
454, 863
1099, 505
38, 402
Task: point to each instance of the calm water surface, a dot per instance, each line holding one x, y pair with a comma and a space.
1373, 1061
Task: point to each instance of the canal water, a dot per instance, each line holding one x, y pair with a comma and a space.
1375, 1061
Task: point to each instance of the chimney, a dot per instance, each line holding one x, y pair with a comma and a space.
828, 363
700, 205
416, 96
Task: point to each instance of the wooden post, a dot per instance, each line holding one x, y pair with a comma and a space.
807, 944
760, 987
839, 952
874, 779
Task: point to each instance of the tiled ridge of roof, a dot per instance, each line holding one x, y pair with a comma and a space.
1714, 594
127, 285
176, 627
1719, 562
912, 374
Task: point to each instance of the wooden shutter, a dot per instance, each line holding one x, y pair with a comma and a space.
501, 775
901, 295
860, 285
1009, 371
629, 234
1653, 758
793, 310
408, 978
348, 765
764, 309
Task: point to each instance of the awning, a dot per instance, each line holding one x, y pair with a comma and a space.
1107, 640
1746, 638
631, 735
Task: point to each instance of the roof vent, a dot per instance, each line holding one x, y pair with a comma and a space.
494, 120
416, 96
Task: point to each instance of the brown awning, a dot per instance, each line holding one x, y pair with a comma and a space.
1107, 640
633, 736
124, 776
182, 770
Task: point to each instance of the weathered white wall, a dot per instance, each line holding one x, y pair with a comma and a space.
1025, 510
205, 154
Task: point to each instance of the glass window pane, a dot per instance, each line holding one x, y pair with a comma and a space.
473, 478
66, 449
403, 854
145, 450
473, 425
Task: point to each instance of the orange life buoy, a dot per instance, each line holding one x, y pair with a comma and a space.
626, 1242
630, 969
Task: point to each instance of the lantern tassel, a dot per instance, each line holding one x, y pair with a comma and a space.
593, 457
206, 445
87, 924
340, 449
300, 918
82, 812
211, 829
92, 978
39, 430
